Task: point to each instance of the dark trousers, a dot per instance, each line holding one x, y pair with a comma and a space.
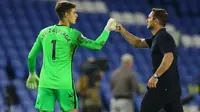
92, 109
157, 99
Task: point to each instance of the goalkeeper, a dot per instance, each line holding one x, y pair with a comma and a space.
58, 43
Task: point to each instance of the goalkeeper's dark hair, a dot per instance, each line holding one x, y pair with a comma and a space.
161, 15
62, 7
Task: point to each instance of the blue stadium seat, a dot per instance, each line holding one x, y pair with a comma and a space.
18, 108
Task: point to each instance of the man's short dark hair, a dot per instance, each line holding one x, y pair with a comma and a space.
62, 7
161, 15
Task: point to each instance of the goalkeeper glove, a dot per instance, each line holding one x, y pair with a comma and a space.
111, 25
32, 81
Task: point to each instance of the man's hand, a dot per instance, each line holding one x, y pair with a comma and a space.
32, 81
119, 27
152, 82
111, 25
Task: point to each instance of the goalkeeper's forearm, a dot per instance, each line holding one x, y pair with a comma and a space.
31, 65
103, 37
32, 61
37, 47
98, 43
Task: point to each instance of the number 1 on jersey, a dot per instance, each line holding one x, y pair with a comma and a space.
53, 49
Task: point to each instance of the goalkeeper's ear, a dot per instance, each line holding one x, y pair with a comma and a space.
66, 14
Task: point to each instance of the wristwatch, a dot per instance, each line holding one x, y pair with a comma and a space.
155, 76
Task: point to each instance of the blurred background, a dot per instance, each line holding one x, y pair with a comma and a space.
21, 21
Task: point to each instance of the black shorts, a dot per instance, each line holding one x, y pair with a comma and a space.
157, 99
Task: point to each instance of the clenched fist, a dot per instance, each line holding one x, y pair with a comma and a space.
119, 27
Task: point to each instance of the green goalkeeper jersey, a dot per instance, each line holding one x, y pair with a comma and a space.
58, 44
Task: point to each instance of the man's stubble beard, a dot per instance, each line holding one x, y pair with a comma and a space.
150, 27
